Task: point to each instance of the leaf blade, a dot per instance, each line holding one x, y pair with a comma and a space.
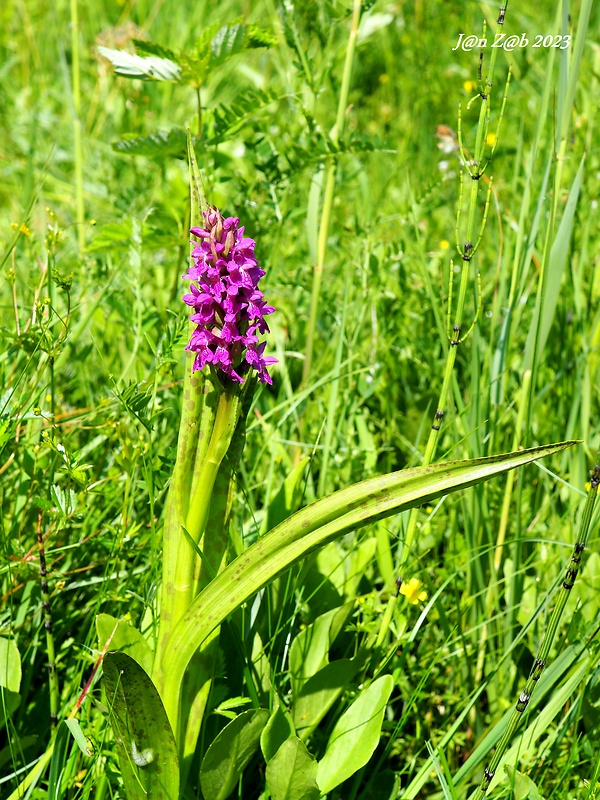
145, 743
355, 735
314, 526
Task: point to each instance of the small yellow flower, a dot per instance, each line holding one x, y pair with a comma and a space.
491, 139
470, 86
444, 244
384, 77
412, 591
24, 230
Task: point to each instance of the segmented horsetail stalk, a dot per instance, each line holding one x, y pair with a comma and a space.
468, 240
52, 676
544, 651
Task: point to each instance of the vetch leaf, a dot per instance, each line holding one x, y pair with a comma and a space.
355, 736
144, 739
292, 772
311, 528
145, 48
155, 145
234, 38
229, 754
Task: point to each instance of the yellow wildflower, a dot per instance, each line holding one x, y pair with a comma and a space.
412, 591
491, 139
444, 244
24, 230
470, 86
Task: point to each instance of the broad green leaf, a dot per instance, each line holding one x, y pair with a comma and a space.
229, 754
115, 234
277, 730
524, 787
311, 528
155, 145
10, 665
320, 692
292, 773
10, 678
144, 740
310, 649
124, 638
141, 67
355, 735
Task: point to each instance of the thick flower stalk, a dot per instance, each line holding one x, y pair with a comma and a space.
229, 308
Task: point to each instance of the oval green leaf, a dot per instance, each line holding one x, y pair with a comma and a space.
292, 772
355, 736
320, 692
125, 638
229, 754
10, 665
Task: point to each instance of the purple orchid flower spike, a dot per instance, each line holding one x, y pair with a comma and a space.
229, 309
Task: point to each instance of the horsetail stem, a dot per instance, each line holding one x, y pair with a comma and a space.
544, 651
475, 166
52, 676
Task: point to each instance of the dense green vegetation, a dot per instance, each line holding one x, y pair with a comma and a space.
94, 218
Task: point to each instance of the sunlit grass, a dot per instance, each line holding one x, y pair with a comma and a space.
91, 378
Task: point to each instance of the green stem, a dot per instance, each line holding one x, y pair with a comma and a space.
194, 416
335, 136
200, 496
475, 167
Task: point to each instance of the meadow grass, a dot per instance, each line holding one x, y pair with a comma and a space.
93, 242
